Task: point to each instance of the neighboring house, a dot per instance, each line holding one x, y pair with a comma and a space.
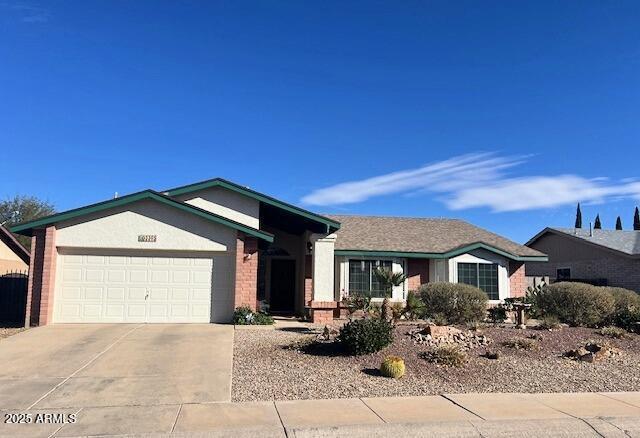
590, 255
194, 253
13, 256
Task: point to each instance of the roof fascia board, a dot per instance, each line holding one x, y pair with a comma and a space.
218, 182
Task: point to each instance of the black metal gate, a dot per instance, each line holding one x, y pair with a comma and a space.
13, 299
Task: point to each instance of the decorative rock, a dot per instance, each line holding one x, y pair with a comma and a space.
438, 335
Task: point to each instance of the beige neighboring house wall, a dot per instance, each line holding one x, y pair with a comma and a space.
232, 205
586, 261
9, 260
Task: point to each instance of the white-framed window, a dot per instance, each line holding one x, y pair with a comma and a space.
481, 275
360, 276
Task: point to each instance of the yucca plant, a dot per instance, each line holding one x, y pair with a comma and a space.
388, 280
392, 366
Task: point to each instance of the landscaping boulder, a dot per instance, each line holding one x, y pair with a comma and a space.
434, 335
592, 352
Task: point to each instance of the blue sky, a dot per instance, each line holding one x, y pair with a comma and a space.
501, 113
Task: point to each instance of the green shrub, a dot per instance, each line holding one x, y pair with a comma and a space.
549, 323
497, 314
577, 304
521, 344
448, 354
457, 303
357, 301
365, 336
613, 332
626, 310
414, 309
245, 316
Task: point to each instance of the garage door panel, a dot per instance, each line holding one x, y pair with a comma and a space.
115, 288
116, 276
93, 293
136, 276
115, 294
180, 277
92, 311
72, 274
160, 276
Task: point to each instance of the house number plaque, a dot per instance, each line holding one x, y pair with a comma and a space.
149, 238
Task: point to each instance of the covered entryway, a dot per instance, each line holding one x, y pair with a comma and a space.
111, 286
283, 285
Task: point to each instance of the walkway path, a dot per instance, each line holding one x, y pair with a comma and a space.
472, 415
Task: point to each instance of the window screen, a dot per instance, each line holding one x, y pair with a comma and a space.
481, 275
362, 278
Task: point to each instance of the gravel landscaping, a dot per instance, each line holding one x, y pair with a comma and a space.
5, 332
275, 365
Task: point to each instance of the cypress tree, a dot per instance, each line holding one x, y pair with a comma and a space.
618, 223
578, 217
597, 225
636, 220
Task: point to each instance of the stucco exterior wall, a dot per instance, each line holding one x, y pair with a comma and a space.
226, 203
120, 228
9, 261
585, 261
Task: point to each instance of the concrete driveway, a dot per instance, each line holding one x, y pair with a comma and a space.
113, 365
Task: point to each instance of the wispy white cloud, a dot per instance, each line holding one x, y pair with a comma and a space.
28, 13
479, 180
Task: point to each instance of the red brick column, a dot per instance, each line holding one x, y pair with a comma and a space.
517, 279
246, 290
42, 277
417, 272
322, 312
308, 280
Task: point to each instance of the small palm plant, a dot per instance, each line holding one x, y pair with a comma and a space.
388, 280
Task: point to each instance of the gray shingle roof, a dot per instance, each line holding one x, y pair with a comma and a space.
626, 241
405, 234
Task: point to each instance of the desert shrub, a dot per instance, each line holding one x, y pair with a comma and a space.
626, 307
357, 301
397, 310
457, 303
392, 366
497, 314
613, 332
549, 323
447, 354
245, 316
365, 336
414, 309
521, 344
577, 304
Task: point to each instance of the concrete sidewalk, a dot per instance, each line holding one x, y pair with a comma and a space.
472, 415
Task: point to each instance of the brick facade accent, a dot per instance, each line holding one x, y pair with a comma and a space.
308, 280
322, 312
246, 288
517, 279
322, 316
417, 272
42, 277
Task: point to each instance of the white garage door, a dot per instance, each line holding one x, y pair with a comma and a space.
123, 288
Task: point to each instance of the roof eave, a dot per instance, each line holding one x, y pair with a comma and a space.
27, 228
331, 225
445, 255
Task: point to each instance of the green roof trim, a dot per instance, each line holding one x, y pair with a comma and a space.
446, 255
219, 182
27, 227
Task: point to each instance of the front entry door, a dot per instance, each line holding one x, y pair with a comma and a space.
283, 285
